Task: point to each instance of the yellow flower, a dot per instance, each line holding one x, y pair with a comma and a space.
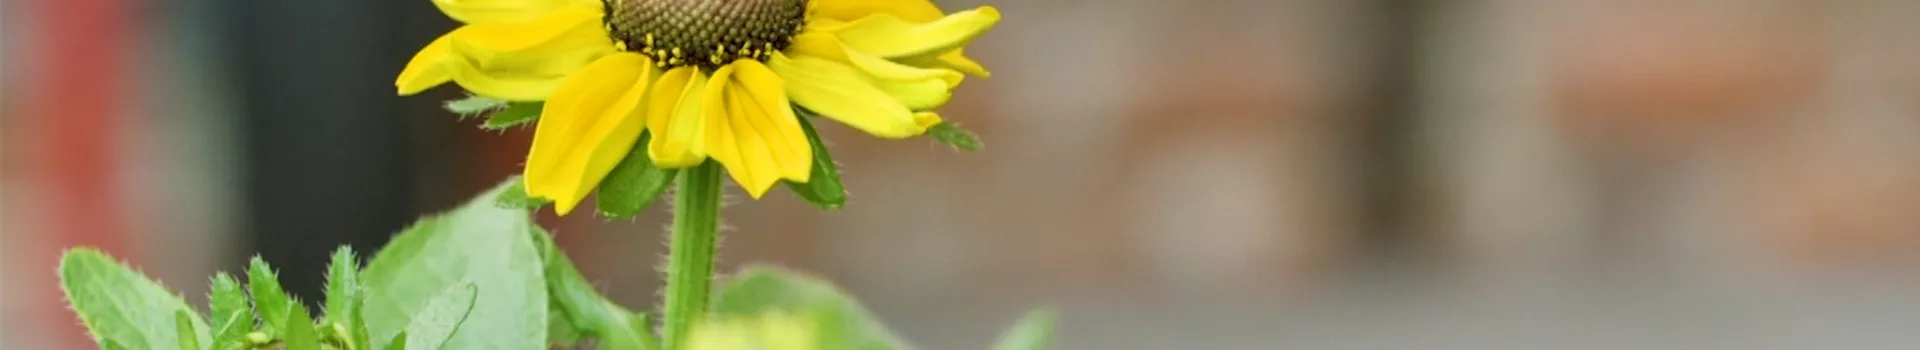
768, 331
708, 79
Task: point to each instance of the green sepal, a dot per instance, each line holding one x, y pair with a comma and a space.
823, 188
269, 299
231, 315
474, 105
501, 114
633, 184
515, 114
954, 136
516, 197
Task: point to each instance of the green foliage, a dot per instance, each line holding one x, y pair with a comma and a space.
586, 311
269, 300
478, 243
1033, 332
633, 184
437, 322
560, 331
123, 308
343, 288
481, 276
516, 197
399, 342
823, 188
954, 136
345, 326
843, 323
232, 316
298, 327
358, 338
184, 330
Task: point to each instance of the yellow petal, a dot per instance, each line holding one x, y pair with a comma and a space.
917, 88
524, 61
917, 95
842, 93
891, 37
826, 45
926, 119
424, 71
675, 118
497, 11
588, 125
847, 10
720, 141
753, 131
502, 85
765, 90
958, 61
819, 43
555, 44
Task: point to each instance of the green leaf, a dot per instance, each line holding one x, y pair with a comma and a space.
642, 327
360, 338
399, 342
954, 136
560, 331
588, 311
343, 287
1033, 332
121, 307
269, 299
474, 105
111, 345
516, 197
514, 114
232, 316
183, 328
478, 243
433, 327
823, 187
633, 184
298, 327
844, 323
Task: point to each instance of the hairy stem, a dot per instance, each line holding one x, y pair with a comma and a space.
690, 256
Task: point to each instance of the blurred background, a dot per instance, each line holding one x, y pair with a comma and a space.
1206, 174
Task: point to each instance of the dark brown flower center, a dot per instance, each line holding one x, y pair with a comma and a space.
704, 33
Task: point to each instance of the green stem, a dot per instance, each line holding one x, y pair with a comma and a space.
696, 223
